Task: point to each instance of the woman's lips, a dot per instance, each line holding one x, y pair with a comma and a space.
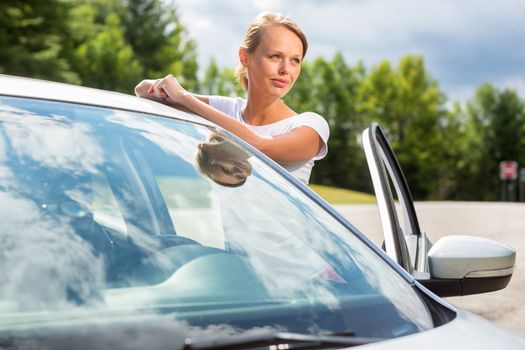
279, 83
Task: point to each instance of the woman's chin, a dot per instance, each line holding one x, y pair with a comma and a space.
278, 92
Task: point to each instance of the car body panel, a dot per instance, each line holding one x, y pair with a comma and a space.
466, 331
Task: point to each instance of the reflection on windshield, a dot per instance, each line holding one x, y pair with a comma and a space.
33, 212
61, 266
123, 211
223, 161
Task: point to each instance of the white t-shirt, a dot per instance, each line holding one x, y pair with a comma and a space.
234, 107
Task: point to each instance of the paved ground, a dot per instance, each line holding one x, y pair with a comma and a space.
504, 222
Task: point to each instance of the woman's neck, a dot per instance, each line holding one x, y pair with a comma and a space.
262, 111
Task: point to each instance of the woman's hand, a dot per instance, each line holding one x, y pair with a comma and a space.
142, 89
145, 90
169, 88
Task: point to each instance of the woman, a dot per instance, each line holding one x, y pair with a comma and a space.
270, 63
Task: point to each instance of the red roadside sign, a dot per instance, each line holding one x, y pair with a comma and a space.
508, 170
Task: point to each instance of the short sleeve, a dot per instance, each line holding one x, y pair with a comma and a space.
320, 125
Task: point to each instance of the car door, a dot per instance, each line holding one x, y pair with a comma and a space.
404, 241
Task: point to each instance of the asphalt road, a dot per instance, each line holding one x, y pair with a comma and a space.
503, 222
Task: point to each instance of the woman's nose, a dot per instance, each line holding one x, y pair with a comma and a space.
283, 67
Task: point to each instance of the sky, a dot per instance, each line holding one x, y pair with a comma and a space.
464, 42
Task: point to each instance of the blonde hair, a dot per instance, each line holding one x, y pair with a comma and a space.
254, 34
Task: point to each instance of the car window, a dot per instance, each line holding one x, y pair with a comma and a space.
125, 210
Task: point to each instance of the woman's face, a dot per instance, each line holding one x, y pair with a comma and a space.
276, 62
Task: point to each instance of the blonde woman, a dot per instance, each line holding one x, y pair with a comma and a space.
270, 62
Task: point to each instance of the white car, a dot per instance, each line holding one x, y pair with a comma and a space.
127, 224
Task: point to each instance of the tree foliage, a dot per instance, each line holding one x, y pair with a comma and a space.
159, 40
493, 132
109, 44
31, 36
217, 81
407, 102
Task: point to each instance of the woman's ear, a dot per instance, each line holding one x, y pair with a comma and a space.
243, 56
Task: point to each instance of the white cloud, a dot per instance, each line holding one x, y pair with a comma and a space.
513, 83
464, 42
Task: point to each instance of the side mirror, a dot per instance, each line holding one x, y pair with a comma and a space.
462, 265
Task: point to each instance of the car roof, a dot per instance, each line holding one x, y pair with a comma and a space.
54, 91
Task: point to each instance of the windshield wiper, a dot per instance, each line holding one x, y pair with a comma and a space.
293, 341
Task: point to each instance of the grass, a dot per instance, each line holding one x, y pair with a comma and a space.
334, 195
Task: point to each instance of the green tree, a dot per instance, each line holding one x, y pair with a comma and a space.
110, 44
494, 127
106, 60
453, 138
31, 39
159, 40
217, 81
409, 106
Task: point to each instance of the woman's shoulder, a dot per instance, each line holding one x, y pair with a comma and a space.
310, 118
310, 115
313, 120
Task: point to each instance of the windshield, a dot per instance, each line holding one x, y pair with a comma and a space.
108, 212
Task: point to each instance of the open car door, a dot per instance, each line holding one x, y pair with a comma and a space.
455, 265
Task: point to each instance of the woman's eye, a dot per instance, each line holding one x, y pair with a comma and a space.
296, 61
274, 56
